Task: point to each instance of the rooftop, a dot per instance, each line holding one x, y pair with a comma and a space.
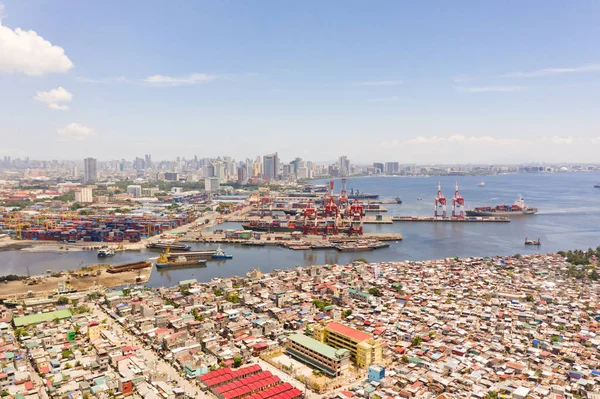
42, 317
348, 331
317, 346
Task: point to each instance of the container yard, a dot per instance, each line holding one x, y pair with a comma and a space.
71, 227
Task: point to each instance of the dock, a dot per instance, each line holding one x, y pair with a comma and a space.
476, 219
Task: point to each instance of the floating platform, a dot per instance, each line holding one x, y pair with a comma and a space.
475, 219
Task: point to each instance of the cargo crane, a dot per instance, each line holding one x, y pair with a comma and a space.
330, 208
356, 215
310, 219
343, 198
458, 203
439, 203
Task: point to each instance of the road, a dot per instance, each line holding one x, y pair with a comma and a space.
151, 357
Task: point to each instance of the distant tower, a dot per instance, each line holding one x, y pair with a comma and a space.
458, 203
90, 170
439, 203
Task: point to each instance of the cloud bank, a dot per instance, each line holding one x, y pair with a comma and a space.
54, 98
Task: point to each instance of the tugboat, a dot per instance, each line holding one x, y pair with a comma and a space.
106, 252
532, 242
398, 200
220, 254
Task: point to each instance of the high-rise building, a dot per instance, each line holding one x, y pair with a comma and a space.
90, 170
270, 167
378, 166
171, 176
148, 161
391, 168
242, 175
344, 166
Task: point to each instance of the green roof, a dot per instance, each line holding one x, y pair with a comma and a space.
319, 347
361, 293
42, 317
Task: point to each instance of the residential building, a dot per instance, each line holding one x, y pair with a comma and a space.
343, 166
84, 195
391, 168
332, 362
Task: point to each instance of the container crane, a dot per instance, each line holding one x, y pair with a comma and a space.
439, 203
458, 203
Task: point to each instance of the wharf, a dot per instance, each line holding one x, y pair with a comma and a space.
380, 209
478, 219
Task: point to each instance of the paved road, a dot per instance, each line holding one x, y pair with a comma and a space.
151, 357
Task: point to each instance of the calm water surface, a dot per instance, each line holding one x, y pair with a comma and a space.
569, 217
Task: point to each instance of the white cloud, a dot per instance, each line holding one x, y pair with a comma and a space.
491, 89
456, 139
54, 97
561, 140
187, 80
383, 99
380, 83
74, 132
110, 79
553, 71
29, 53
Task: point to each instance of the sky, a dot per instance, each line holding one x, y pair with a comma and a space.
377, 81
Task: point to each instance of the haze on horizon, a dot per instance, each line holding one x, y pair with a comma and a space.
426, 82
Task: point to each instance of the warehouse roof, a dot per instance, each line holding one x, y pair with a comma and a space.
317, 346
41, 317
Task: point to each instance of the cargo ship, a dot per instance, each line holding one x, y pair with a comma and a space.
164, 261
165, 245
517, 209
128, 267
360, 195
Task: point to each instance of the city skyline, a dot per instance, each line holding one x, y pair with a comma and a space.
418, 83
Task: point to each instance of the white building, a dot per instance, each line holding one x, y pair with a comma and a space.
303, 172
135, 189
83, 195
212, 184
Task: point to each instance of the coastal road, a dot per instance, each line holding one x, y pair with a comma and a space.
151, 357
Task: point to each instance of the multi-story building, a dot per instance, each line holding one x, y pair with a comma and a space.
171, 176
135, 189
378, 167
364, 349
331, 361
392, 167
270, 167
90, 170
212, 184
83, 195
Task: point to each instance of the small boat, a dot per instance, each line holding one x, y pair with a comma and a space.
419, 199
532, 242
597, 185
220, 254
481, 184
106, 252
398, 200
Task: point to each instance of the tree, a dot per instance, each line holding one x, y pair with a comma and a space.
76, 206
67, 353
74, 302
416, 341
20, 332
529, 298
63, 300
237, 361
68, 366
346, 313
78, 364
375, 291
361, 260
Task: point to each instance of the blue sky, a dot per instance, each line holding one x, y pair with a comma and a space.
423, 82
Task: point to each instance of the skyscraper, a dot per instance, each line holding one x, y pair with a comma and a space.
344, 166
91, 170
270, 167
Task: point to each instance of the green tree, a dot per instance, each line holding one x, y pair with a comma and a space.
74, 302
76, 206
361, 260
67, 353
346, 313
63, 300
375, 291
237, 361
416, 341
529, 298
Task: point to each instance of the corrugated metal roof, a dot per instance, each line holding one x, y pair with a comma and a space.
42, 317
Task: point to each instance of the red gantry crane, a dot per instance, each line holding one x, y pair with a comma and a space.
439, 203
458, 203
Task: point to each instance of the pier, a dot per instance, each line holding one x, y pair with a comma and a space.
476, 219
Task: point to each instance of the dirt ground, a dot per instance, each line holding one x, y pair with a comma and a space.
48, 284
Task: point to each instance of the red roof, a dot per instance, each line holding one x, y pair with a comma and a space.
348, 331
